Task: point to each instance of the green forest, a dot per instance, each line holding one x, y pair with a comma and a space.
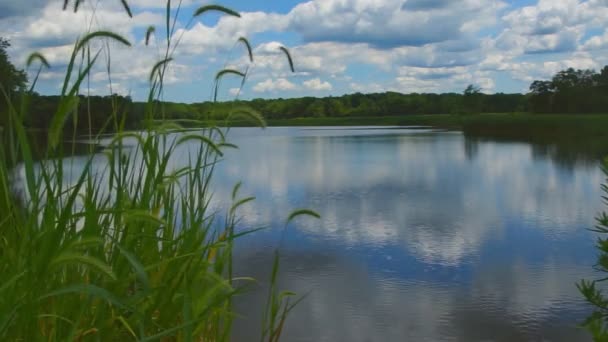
568, 92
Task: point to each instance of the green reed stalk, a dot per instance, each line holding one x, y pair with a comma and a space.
130, 250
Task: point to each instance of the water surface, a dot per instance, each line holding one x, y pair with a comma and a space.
425, 235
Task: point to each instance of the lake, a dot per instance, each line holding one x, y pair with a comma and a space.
425, 235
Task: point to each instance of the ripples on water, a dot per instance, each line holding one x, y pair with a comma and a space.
425, 235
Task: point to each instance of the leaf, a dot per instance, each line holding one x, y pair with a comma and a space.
90, 290
61, 318
68, 258
215, 8
235, 190
289, 59
127, 326
302, 212
241, 202
143, 216
229, 145
86, 242
139, 269
11, 281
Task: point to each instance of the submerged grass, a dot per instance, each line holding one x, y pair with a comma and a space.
130, 250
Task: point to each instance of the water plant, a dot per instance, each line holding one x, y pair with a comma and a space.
597, 323
124, 245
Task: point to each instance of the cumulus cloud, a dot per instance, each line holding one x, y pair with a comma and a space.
317, 85
529, 71
400, 45
551, 26
271, 85
387, 23
596, 42
208, 39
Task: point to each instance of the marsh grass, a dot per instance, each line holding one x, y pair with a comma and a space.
130, 250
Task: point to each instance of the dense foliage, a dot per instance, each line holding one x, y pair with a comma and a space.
11, 78
354, 105
380, 104
571, 91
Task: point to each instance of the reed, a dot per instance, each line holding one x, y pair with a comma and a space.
130, 250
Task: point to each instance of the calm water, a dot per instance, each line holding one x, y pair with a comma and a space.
425, 235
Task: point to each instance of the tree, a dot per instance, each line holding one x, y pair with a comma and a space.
602, 78
571, 91
472, 99
11, 79
472, 90
541, 96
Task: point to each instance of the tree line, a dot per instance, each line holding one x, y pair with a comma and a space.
569, 91
377, 104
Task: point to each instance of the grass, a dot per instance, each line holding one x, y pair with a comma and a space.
127, 251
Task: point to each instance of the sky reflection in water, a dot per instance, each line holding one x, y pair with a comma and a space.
425, 235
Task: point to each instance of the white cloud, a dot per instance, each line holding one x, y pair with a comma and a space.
204, 39
529, 71
317, 85
413, 45
367, 88
596, 42
271, 85
387, 23
551, 26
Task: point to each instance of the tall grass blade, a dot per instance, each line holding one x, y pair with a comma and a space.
158, 66
125, 5
248, 47
219, 76
37, 56
77, 5
102, 34
302, 212
72, 258
66, 106
91, 290
289, 59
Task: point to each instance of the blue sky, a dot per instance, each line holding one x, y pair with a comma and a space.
339, 46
